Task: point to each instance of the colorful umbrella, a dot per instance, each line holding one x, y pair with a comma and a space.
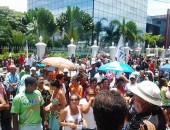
165, 67
58, 62
116, 67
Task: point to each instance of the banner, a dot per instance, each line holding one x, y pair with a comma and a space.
120, 54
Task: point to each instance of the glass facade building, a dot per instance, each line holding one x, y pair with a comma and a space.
135, 10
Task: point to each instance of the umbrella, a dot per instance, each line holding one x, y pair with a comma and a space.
165, 67
116, 67
58, 62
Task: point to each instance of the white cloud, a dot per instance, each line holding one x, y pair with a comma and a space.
18, 5
157, 8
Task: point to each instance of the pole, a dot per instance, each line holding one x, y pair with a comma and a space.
92, 38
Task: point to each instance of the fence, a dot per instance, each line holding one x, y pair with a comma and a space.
49, 50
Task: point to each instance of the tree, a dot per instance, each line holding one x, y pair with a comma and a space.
151, 39
74, 23
39, 22
129, 31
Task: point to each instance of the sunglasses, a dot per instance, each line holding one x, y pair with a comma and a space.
74, 100
91, 94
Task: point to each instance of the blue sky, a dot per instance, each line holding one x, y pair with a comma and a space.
154, 7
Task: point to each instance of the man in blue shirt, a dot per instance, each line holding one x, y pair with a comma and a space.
12, 80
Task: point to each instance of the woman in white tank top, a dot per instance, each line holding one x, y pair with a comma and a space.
71, 117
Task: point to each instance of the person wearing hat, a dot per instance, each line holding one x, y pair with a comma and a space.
12, 80
147, 102
33, 70
132, 82
27, 108
93, 69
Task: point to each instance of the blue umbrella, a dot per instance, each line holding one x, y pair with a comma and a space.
165, 67
116, 67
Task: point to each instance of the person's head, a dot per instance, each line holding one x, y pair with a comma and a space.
33, 70
60, 77
65, 71
30, 84
146, 96
27, 67
13, 69
132, 79
100, 72
74, 100
109, 110
81, 70
55, 85
137, 68
40, 81
163, 82
89, 93
29, 56
75, 80
34, 76
105, 83
83, 78
50, 75
93, 83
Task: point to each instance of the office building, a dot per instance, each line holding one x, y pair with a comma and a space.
135, 10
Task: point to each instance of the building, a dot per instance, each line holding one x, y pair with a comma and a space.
160, 25
135, 10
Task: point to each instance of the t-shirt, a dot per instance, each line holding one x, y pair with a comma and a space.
89, 117
28, 107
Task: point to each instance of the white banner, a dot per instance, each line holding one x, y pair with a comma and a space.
120, 54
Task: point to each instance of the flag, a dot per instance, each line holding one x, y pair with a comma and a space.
120, 51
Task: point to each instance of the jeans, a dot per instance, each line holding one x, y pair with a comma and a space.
32, 127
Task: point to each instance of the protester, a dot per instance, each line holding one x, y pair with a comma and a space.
26, 71
109, 110
71, 117
27, 107
58, 102
147, 104
75, 88
12, 80
87, 110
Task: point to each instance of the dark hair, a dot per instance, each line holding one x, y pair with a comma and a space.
76, 78
93, 79
55, 83
59, 76
109, 110
104, 80
30, 81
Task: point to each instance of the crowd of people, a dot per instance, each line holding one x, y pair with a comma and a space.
35, 96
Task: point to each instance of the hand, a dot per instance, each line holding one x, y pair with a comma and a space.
73, 126
148, 124
45, 125
73, 90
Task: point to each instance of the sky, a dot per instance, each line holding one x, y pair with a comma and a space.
155, 7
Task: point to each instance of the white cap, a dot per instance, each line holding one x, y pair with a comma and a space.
33, 68
65, 70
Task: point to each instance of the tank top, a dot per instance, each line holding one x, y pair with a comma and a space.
55, 102
72, 118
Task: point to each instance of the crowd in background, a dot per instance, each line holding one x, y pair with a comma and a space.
35, 96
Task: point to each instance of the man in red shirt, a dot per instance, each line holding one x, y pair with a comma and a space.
21, 59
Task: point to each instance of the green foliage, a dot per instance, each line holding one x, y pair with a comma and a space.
74, 23
18, 38
151, 39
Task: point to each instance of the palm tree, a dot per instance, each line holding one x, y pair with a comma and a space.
129, 31
152, 39
75, 23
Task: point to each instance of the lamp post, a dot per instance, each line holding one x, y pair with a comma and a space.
163, 53
126, 50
